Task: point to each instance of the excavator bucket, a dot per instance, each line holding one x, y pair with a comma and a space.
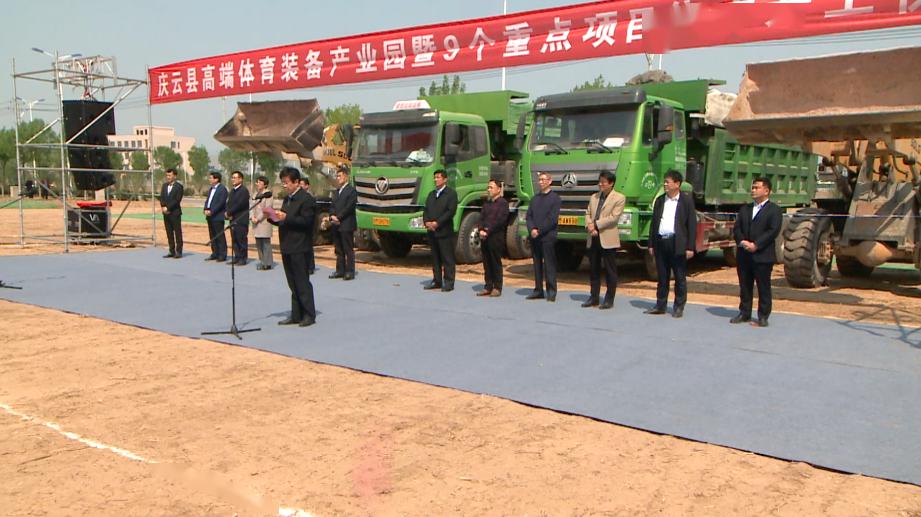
275, 126
864, 95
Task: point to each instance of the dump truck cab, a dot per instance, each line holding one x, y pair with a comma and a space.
575, 136
469, 136
640, 132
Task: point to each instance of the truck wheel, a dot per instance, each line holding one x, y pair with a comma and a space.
517, 247
467, 250
850, 266
366, 240
808, 251
321, 231
568, 256
730, 258
395, 245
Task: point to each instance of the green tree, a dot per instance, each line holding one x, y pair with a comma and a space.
448, 87
139, 161
345, 114
7, 157
116, 160
42, 157
597, 84
135, 183
200, 163
166, 158
457, 86
231, 160
269, 164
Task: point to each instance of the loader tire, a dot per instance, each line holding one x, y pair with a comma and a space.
807, 251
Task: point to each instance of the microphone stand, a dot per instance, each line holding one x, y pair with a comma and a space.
234, 331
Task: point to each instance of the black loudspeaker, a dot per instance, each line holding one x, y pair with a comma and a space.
77, 115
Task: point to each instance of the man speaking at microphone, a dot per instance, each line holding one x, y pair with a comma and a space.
294, 221
237, 212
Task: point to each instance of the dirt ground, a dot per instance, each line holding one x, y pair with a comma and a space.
203, 428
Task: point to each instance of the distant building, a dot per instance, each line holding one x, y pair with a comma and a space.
162, 136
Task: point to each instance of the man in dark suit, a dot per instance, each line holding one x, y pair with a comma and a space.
438, 218
756, 228
493, 225
295, 219
672, 241
237, 213
215, 205
543, 217
342, 218
170, 205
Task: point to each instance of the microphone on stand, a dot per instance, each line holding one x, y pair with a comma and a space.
265, 195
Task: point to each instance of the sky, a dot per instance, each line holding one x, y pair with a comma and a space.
147, 34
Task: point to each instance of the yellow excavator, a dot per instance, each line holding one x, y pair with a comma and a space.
296, 131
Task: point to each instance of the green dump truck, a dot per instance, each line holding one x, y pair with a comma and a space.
471, 136
640, 132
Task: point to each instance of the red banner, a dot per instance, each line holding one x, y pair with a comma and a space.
598, 29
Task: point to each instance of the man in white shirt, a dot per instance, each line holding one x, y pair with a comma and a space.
672, 241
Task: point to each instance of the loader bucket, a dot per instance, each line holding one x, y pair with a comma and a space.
864, 95
274, 126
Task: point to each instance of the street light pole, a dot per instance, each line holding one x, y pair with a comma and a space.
504, 12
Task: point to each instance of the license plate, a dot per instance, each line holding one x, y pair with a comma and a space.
569, 220
380, 221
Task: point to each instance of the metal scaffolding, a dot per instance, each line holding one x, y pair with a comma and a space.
96, 79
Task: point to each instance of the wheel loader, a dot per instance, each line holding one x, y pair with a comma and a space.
862, 112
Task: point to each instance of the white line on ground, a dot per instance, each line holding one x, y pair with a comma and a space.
282, 511
76, 437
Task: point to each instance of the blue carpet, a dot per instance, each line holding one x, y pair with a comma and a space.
844, 395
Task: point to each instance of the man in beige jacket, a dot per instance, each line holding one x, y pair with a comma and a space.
262, 229
601, 217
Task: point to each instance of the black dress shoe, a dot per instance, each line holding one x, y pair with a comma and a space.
447, 288
761, 322
606, 305
536, 295
221, 259
654, 310
169, 255
306, 322
591, 302
178, 255
348, 276
739, 318
431, 285
212, 257
336, 275
288, 321
551, 297
678, 312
